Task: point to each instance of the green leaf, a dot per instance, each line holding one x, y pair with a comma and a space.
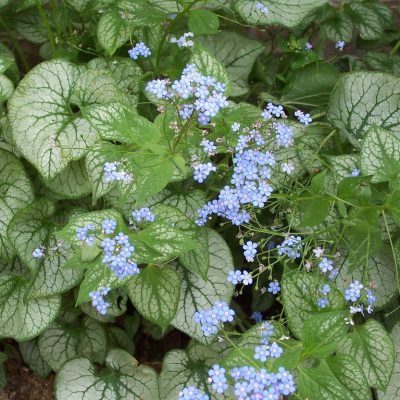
142, 13
299, 299
71, 183
125, 73
61, 343
112, 31
186, 368
371, 347
165, 239
51, 278
203, 22
379, 269
23, 319
118, 338
343, 165
209, 65
155, 294
339, 27
16, 193
311, 85
29, 229
6, 88
51, 134
288, 13
393, 389
31, 356
350, 375
197, 294
30, 26
238, 54
322, 332
371, 19
117, 121
321, 383
68, 233
380, 155
362, 99
123, 379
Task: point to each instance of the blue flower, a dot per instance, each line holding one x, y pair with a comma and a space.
291, 247
256, 316
109, 226
250, 250
353, 292
340, 44
201, 171
192, 393
143, 214
304, 119
139, 50
326, 265
218, 379
184, 40
38, 253
322, 302
274, 287
98, 300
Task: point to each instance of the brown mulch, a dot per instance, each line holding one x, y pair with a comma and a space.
22, 384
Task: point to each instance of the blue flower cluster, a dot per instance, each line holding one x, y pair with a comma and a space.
217, 379
86, 234
209, 147
250, 250
201, 171
274, 287
261, 7
184, 40
112, 174
291, 247
256, 316
272, 110
304, 119
98, 300
143, 214
325, 265
192, 93
139, 50
340, 44
192, 393
210, 319
238, 276
353, 292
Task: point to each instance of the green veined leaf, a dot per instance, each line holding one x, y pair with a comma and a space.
380, 155
362, 99
393, 389
6, 88
197, 294
123, 379
299, 298
60, 343
371, 347
238, 54
288, 13
51, 134
23, 319
31, 356
339, 27
16, 193
155, 294
118, 338
112, 30
186, 368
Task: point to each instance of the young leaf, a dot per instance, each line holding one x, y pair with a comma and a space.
155, 294
203, 22
322, 332
23, 319
123, 379
371, 346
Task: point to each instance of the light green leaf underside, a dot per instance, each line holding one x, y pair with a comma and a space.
371, 346
197, 294
155, 294
237, 53
124, 379
61, 343
15, 193
6, 88
22, 319
288, 13
393, 388
361, 99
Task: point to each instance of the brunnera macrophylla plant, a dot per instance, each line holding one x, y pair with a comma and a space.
163, 170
